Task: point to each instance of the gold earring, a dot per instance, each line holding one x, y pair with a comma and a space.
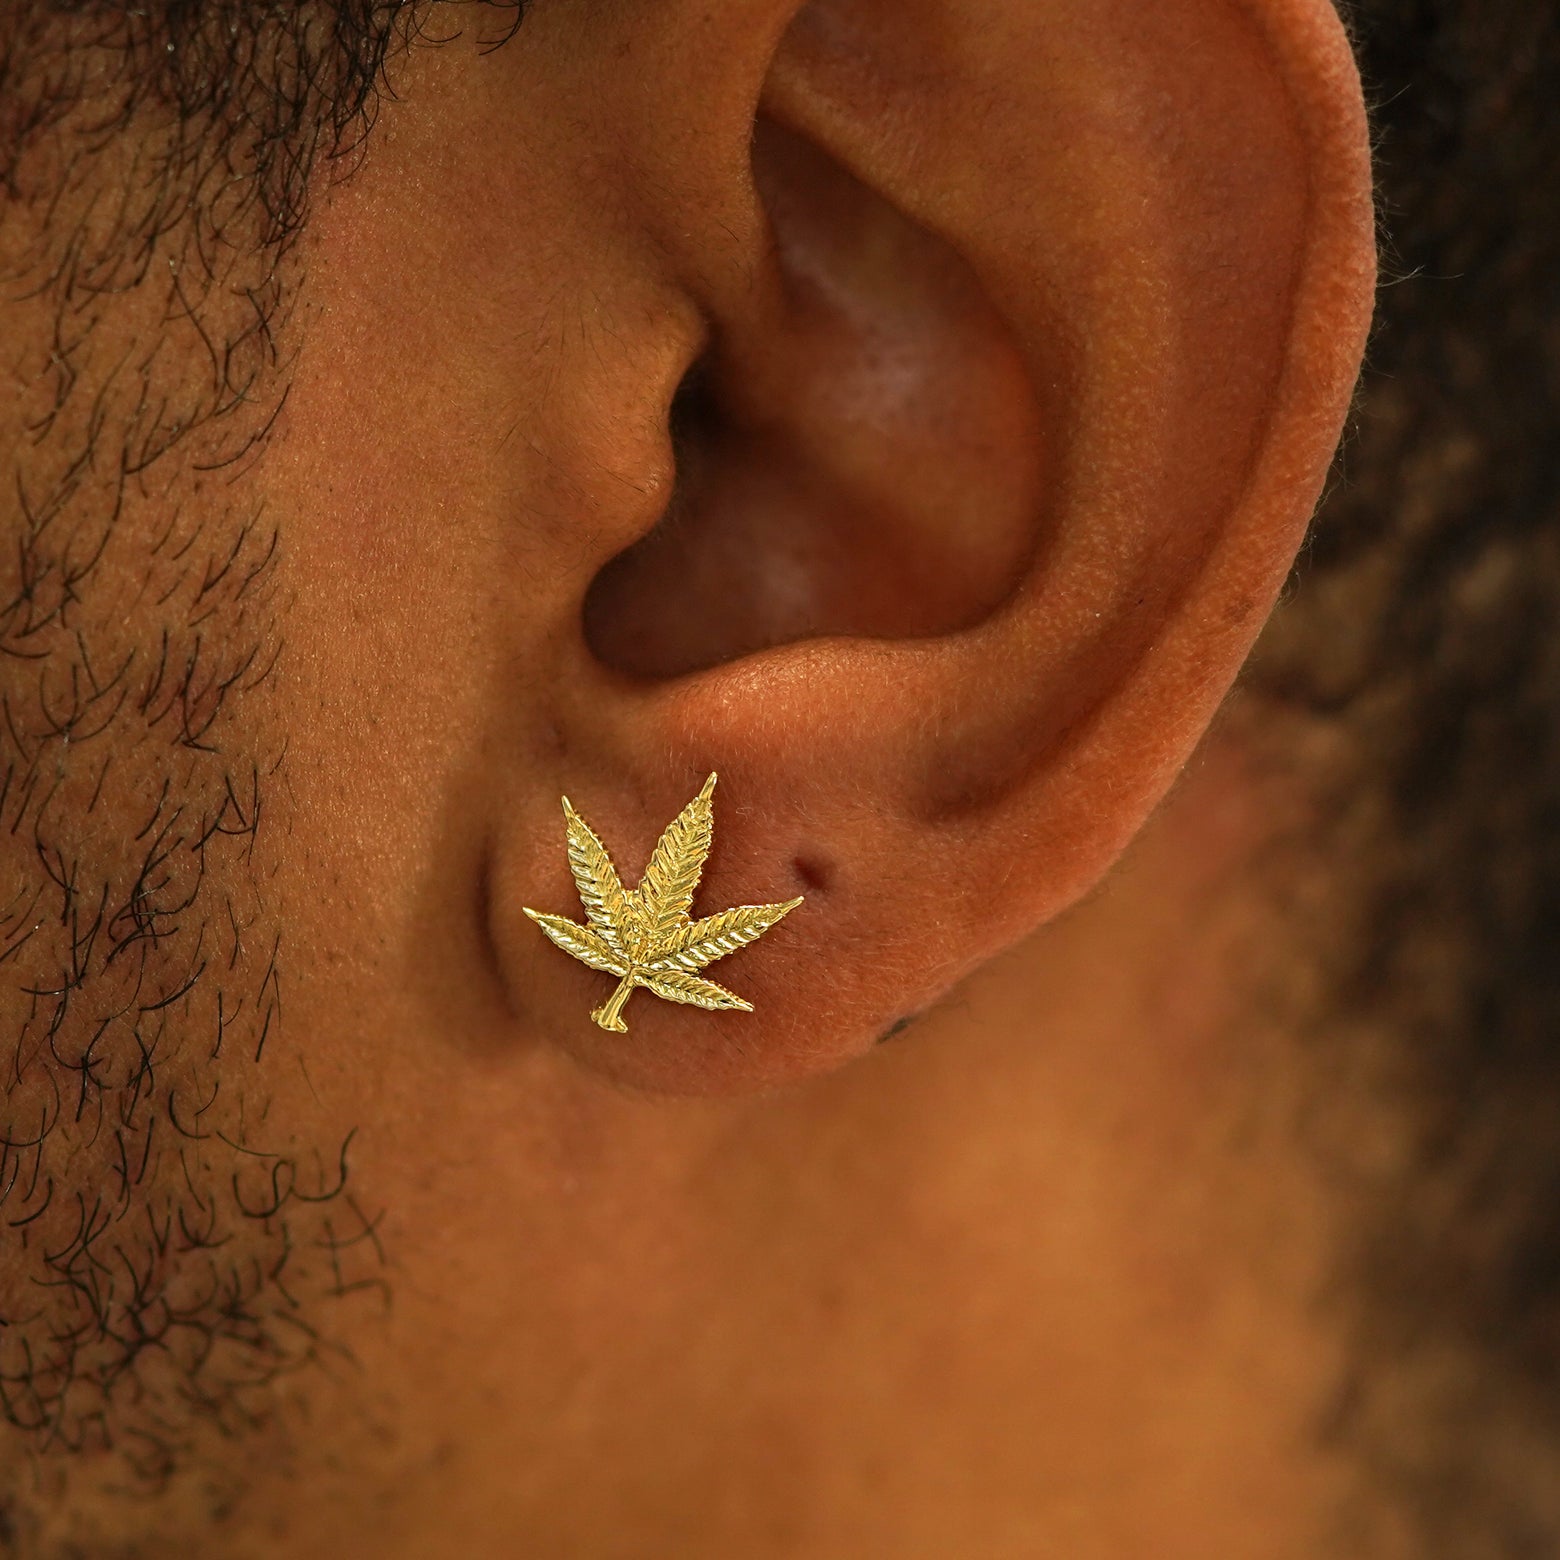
643, 935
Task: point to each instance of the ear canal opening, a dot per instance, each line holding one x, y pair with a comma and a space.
861, 452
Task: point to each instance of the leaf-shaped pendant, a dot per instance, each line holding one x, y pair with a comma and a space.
643, 935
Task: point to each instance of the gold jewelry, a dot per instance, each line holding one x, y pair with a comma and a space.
643, 935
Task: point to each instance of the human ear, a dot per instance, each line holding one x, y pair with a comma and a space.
964, 380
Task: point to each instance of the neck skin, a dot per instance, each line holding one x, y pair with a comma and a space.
1033, 1278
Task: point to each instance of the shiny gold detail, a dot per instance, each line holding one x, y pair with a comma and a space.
643, 935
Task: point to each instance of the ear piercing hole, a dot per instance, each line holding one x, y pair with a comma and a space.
816, 877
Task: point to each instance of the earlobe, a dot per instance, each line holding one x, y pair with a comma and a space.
1050, 321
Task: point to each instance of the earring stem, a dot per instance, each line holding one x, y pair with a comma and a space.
608, 1015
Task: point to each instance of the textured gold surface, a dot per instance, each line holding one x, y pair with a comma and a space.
643, 935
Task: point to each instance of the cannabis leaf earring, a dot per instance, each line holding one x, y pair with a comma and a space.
643, 935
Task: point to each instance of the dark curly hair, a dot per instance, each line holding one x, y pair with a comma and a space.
1423, 625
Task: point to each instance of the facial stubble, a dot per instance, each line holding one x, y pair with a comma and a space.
170, 1248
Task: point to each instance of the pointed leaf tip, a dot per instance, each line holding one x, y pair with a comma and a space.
709, 786
680, 986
